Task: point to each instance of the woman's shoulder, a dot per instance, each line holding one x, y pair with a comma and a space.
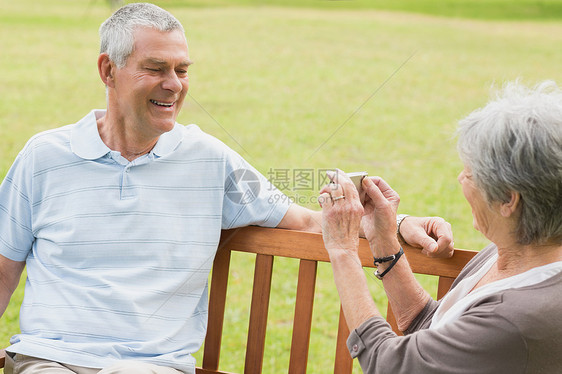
537, 302
535, 312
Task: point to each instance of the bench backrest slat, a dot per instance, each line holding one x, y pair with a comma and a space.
303, 316
217, 303
343, 362
258, 313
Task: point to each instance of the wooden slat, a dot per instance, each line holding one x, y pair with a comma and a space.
217, 301
447, 267
444, 286
258, 314
277, 242
343, 363
391, 319
302, 321
290, 243
205, 371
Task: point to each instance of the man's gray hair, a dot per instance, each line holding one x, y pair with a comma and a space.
514, 144
117, 32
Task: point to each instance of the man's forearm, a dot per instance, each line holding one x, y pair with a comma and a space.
301, 218
10, 272
5, 295
313, 221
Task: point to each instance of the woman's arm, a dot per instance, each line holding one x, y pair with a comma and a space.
481, 341
405, 295
341, 219
342, 215
357, 304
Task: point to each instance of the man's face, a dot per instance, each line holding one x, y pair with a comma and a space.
151, 87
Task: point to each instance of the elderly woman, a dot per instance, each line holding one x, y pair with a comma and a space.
503, 314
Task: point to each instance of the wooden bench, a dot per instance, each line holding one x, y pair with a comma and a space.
269, 243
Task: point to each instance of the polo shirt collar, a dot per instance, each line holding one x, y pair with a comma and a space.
168, 141
86, 143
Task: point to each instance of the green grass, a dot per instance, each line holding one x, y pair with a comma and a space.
480, 9
297, 88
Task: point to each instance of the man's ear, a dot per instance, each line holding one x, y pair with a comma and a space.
106, 69
510, 207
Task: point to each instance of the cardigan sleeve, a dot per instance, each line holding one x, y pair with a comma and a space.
481, 341
423, 319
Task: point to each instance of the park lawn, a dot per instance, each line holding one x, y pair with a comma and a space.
295, 90
478, 9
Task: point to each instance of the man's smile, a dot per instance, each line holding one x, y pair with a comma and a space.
162, 104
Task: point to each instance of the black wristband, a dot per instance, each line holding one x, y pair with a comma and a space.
379, 260
393, 258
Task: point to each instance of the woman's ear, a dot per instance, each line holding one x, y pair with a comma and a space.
510, 207
106, 69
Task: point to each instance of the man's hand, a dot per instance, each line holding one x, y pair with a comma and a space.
433, 234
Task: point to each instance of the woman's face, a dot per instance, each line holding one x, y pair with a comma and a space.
483, 215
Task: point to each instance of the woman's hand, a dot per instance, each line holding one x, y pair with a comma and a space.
381, 204
433, 234
341, 213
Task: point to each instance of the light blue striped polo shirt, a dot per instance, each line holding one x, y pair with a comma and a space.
118, 253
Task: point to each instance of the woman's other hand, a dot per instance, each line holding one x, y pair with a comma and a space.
381, 204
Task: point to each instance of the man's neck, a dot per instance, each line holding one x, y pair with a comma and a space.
114, 134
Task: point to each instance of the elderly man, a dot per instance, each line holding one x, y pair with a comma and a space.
118, 217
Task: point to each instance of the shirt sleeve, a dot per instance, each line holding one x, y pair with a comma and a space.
16, 235
249, 198
481, 341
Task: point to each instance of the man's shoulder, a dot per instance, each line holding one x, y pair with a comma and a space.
45, 141
193, 132
193, 138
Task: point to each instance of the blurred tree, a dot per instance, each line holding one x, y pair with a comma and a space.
115, 4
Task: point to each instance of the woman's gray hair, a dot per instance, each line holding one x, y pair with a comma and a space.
514, 144
117, 32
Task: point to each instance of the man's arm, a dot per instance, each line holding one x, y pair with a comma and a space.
10, 273
301, 218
